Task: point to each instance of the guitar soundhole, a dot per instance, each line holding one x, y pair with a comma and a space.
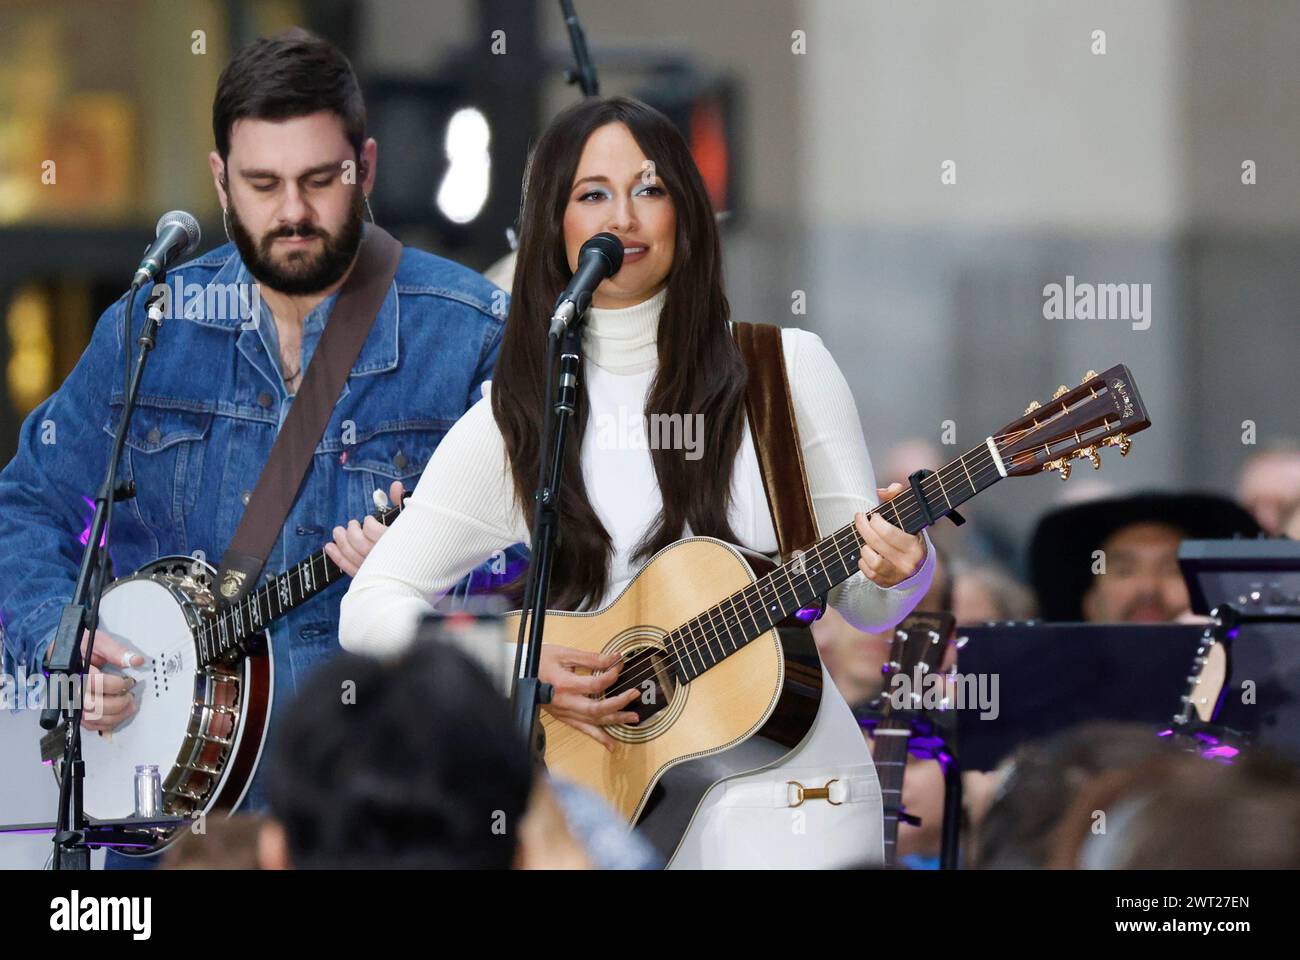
647, 671
650, 670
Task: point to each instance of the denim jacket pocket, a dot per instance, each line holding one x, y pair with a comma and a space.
164, 457
311, 644
392, 451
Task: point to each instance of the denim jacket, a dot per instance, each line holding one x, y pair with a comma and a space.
208, 411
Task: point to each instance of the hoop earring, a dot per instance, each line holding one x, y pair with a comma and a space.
225, 223
368, 210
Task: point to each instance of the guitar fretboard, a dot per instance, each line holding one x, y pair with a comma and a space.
889, 754
724, 628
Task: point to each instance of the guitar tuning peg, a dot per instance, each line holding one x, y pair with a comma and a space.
1062, 464
1120, 440
1088, 376
1033, 405
1091, 455
1060, 391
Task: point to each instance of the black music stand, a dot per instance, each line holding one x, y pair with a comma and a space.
1054, 676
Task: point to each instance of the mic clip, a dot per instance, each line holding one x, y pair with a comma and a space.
569, 311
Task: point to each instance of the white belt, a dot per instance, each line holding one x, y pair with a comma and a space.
790, 791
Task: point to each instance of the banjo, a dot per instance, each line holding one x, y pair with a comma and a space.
204, 689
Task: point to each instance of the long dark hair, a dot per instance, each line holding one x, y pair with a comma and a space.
700, 369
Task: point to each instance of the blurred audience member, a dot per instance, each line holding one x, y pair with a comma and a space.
984, 591
1039, 783
1269, 484
1182, 812
416, 763
1116, 560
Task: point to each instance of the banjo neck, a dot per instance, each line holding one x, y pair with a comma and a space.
227, 634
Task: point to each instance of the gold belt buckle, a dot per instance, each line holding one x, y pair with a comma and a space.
813, 793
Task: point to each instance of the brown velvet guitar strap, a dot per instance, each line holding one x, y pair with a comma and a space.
340, 344
776, 437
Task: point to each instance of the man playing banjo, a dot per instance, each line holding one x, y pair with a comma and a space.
293, 169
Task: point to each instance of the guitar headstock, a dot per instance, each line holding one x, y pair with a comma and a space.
920, 640
1104, 410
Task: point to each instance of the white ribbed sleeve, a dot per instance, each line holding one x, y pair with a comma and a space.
840, 478
459, 514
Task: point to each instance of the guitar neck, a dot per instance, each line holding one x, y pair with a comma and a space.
890, 756
724, 628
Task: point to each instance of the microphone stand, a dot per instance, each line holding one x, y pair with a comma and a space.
530, 694
583, 72
82, 614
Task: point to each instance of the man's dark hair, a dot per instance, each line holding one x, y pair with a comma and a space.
407, 763
1046, 776
292, 74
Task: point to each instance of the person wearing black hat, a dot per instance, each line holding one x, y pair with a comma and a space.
1115, 560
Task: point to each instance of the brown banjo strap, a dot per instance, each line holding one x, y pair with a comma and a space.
776, 437
340, 344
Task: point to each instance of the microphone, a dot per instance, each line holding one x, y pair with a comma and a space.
599, 258
177, 236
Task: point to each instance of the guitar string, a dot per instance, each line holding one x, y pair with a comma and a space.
235, 617
711, 636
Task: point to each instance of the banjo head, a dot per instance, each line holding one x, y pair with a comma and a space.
189, 718
144, 616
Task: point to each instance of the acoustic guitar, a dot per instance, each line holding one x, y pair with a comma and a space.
704, 628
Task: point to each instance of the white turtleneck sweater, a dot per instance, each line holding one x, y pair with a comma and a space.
463, 509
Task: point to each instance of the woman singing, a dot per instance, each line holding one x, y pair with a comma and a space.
657, 340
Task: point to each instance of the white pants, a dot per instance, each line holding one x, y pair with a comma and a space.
751, 822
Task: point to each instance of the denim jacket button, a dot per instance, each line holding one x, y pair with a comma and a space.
400, 460
264, 399
246, 496
154, 435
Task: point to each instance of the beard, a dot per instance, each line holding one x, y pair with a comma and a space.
299, 272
